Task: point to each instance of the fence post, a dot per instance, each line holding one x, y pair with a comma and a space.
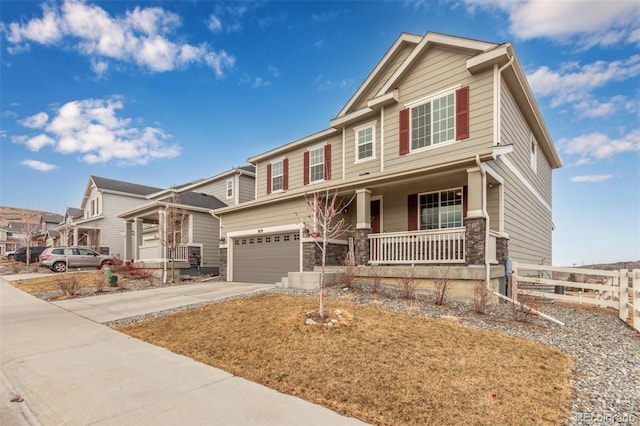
635, 316
514, 281
623, 285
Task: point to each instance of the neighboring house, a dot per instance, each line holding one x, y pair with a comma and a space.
46, 232
184, 213
20, 234
6, 243
447, 158
99, 227
64, 229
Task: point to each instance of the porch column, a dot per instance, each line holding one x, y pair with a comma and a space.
138, 242
75, 236
363, 226
128, 251
475, 221
162, 233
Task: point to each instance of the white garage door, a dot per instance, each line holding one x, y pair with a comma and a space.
266, 258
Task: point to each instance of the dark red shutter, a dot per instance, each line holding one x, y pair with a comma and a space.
465, 203
306, 167
285, 174
327, 161
404, 131
269, 178
462, 113
412, 212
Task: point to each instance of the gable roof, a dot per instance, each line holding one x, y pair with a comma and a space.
195, 199
52, 218
189, 186
73, 212
121, 186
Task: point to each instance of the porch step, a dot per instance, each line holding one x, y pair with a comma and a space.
283, 283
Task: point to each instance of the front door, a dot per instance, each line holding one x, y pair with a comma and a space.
375, 216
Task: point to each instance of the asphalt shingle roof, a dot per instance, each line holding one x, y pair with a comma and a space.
198, 199
126, 187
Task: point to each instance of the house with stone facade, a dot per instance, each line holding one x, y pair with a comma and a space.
441, 160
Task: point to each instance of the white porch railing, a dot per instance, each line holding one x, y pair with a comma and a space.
154, 252
418, 247
179, 254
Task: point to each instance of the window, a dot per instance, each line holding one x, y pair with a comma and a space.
441, 209
365, 142
277, 176
534, 154
230, 188
316, 164
433, 122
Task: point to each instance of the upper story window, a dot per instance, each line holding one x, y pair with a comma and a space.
433, 122
277, 176
365, 142
441, 209
442, 118
95, 207
230, 188
534, 154
316, 164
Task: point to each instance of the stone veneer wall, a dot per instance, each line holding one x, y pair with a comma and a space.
312, 254
362, 246
223, 264
474, 240
502, 250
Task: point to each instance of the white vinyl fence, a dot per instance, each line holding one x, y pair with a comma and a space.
619, 290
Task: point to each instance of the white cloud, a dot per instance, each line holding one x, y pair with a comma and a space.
38, 165
93, 129
214, 24
260, 82
590, 23
590, 178
324, 82
144, 36
36, 121
598, 146
274, 71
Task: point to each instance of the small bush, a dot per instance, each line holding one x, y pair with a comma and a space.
441, 285
136, 272
69, 284
350, 271
101, 281
14, 267
408, 284
525, 310
480, 294
375, 277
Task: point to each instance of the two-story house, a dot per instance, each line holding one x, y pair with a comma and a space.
175, 224
46, 234
445, 154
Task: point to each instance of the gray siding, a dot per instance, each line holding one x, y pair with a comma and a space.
111, 226
247, 188
206, 231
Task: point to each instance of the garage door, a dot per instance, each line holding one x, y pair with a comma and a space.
266, 258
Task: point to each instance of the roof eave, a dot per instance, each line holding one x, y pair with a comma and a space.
297, 143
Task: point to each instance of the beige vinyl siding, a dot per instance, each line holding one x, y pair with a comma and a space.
352, 168
276, 214
493, 207
206, 231
247, 188
111, 226
440, 70
296, 162
218, 189
401, 56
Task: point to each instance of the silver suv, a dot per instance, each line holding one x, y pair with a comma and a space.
59, 258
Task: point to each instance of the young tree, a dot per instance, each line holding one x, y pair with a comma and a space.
321, 224
29, 230
170, 231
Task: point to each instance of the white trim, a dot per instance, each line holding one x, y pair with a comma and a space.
226, 188
344, 153
324, 171
423, 100
533, 153
271, 163
525, 182
337, 122
389, 98
263, 231
329, 241
356, 130
290, 146
382, 139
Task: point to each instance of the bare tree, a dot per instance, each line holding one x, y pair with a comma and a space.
170, 231
321, 224
29, 230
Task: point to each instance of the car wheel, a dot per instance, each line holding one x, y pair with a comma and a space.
59, 267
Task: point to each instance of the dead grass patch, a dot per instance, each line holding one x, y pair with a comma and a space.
383, 367
50, 282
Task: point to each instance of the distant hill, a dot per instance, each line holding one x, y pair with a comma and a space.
14, 214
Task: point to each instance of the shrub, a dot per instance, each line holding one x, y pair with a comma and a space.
525, 310
480, 294
136, 272
408, 283
375, 277
441, 285
68, 283
350, 271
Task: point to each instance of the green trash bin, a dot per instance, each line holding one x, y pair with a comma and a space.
113, 281
107, 273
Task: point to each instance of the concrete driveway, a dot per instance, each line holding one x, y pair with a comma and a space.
112, 307
71, 370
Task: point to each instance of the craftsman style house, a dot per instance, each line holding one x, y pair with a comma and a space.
440, 157
175, 224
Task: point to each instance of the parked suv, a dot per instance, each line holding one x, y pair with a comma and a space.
21, 254
59, 258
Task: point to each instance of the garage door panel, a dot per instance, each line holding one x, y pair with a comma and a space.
265, 258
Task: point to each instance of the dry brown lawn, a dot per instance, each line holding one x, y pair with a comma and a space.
383, 367
50, 282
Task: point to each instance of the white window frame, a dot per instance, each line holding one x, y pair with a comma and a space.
357, 130
429, 100
455, 190
533, 148
312, 165
229, 188
274, 175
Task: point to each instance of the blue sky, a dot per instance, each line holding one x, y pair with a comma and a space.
162, 93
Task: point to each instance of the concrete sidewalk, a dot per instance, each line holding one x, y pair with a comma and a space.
73, 371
